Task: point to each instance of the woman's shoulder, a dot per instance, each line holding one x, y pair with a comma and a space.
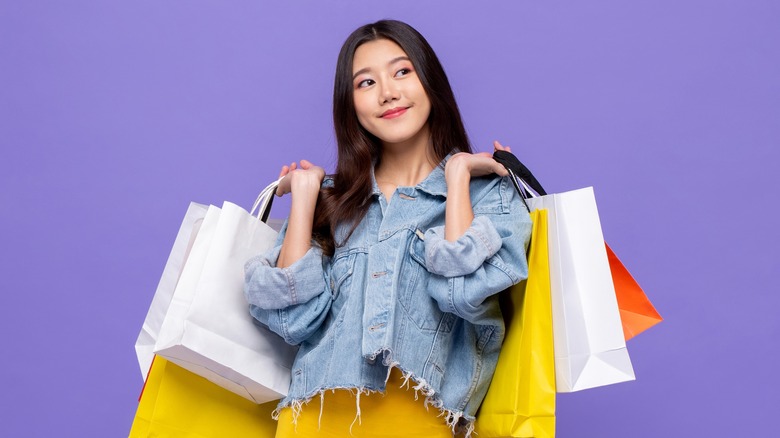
492, 194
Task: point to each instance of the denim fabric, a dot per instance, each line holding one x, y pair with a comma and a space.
397, 294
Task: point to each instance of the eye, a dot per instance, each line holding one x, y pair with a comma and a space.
365, 83
403, 72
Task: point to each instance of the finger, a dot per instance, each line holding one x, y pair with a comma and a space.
293, 166
284, 171
280, 189
497, 168
500, 170
306, 164
499, 147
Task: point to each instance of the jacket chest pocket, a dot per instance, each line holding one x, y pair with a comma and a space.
413, 281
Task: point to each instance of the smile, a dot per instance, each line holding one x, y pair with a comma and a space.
393, 113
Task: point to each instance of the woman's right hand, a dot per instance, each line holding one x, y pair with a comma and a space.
304, 178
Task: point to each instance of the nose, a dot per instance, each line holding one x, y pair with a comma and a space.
389, 92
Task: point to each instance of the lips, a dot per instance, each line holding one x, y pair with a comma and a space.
393, 113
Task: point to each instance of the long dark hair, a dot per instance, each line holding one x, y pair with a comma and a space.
358, 150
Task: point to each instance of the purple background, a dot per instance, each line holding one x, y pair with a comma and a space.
114, 115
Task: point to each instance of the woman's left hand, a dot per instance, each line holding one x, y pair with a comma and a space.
458, 172
479, 164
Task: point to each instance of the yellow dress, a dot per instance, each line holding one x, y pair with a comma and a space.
393, 414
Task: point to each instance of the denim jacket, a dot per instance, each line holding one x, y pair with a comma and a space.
397, 294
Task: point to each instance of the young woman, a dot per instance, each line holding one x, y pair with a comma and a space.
386, 273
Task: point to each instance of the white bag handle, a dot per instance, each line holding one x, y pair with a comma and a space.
528, 188
264, 199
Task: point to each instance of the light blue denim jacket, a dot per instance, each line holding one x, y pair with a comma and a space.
397, 294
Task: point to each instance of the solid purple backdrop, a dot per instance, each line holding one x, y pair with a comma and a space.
114, 115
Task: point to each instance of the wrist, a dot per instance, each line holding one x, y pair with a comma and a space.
457, 170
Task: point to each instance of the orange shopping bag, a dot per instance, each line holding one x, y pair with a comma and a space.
636, 311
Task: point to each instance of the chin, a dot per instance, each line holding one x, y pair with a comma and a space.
400, 137
394, 140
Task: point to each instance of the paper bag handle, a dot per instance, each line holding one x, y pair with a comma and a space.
264, 201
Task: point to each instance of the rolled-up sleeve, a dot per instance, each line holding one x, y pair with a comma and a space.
463, 256
293, 301
296, 323
269, 287
488, 258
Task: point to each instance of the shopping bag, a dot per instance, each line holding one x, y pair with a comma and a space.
637, 313
178, 403
182, 245
208, 329
590, 349
521, 399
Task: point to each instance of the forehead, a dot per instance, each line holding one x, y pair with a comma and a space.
376, 54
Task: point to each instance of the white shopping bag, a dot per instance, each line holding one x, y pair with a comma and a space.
590, 349
185, 238
208, 329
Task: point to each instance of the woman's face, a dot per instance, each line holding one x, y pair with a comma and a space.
390, 101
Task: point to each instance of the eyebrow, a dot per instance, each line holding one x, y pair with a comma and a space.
367, 69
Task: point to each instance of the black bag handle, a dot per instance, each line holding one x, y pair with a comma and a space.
513, 165
517, 170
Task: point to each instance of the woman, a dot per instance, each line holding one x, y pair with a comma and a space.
386, 272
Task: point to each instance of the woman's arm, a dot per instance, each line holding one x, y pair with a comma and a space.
473, 258
291, 301
304, 185
489, 258
287, 287
458, 172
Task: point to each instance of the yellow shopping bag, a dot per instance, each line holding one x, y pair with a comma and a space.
521, 399
178, 403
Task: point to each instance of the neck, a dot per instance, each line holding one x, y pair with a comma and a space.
407, 163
